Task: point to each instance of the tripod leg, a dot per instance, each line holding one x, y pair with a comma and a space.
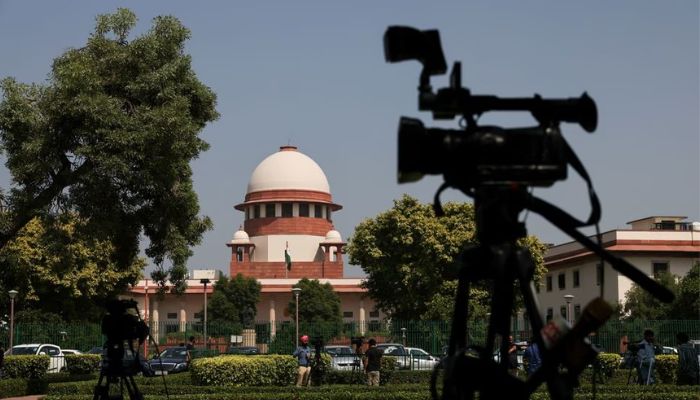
131, 388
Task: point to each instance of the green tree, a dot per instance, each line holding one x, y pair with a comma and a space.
62, 270
318, 303
640, 304
110, 136
408, 254
234, 300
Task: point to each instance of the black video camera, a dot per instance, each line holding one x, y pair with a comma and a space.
477, 155
121, 324
357, 341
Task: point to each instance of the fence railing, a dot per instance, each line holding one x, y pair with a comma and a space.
279, 336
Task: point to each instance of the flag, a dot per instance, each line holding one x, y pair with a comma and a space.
288, 260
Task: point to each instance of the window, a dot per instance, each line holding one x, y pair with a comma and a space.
550, 314
270, 210
303, 209
659, 268
347, 314
318, 211
256, 210
562, 311
172, 315
577, 279
549, 283
599, 274
562, 281
328, 213
198, 315
239, 254
577, 311
287, 209
374, 314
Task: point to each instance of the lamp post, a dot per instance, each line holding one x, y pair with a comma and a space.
403, 336
146, 316
296, 292
205, 281
12, 293
568, 299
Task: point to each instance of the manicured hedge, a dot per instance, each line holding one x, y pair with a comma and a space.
27, 367
264, 370
81, 364
666, 368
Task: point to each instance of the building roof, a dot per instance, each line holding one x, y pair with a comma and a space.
288, 169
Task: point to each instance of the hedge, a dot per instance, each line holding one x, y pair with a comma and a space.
81, 364
27, 367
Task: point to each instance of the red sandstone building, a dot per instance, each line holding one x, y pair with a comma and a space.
287, 215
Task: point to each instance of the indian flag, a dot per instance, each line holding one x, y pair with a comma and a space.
287, 259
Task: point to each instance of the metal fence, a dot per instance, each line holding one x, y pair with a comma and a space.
279, 336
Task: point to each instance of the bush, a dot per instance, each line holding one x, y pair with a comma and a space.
666, 368
608, 363
82, 364
27, 367
238, 370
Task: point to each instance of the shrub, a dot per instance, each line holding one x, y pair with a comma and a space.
27, 367
244, 370
608, 363
666, 367
82, 364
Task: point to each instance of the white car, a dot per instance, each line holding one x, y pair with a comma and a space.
56, 362
71, 351
421, 359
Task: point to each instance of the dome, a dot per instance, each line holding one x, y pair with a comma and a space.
333, 236
288, 169
240, 237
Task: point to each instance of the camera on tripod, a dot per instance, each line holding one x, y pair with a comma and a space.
534, 156
121, 324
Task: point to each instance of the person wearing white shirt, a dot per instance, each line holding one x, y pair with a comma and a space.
646, 358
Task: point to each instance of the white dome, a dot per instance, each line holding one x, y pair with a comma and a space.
333, 237
288, 169
240, 237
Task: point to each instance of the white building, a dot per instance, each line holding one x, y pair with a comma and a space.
653, 245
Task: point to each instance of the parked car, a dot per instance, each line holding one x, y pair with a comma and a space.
71, 351
421, 359
170, 361
343, 358
397, 351
56, 362
247, 350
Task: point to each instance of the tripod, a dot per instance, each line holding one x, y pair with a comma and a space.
116, 373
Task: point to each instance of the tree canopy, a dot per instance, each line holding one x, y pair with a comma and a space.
234, 300
318, 303
408, 254
640, 304
110, 137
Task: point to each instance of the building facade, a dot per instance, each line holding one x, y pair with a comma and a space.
287, 234
653, 245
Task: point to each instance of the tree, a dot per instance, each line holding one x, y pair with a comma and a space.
408, 254
640, 304
318, 303
110, 137
62, 270
234, 300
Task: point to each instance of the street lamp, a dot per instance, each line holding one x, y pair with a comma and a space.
403, 335
568, 299
205, 281
296, 292
12, 294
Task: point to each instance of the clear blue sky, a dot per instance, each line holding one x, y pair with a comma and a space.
313, 74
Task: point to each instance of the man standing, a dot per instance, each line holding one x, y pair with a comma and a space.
303, 355
373, 363
688, 366
531, 356
646, 358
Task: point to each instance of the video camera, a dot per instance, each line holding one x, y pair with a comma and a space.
475, 155
123, 324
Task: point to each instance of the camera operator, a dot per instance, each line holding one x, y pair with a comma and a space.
646, 358
373, 363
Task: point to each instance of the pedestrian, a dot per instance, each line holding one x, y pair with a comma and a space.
303, 355
688, 365
512, 357
532, 358
373, 362
646, 358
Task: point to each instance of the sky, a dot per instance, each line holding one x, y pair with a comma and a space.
312, 74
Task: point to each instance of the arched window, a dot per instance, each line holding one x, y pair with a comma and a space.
239, 254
